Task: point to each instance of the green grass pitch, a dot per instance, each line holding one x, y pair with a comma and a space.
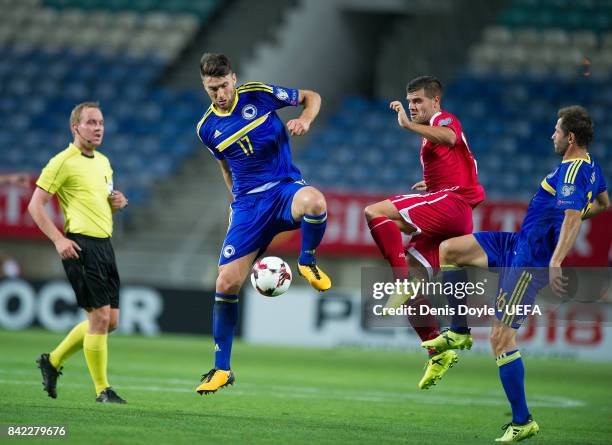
295, 396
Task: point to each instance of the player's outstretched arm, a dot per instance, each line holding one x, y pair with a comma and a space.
227, 174
601, 203
312, 104
567, 238
437, 135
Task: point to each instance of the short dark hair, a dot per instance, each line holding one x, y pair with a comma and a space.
575, 119
214, 65
431, 85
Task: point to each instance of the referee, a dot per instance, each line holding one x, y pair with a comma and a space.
82, 179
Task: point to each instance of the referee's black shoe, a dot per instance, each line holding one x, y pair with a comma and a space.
49, 375
108, 395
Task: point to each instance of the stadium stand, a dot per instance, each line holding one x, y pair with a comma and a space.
524, 65
200, 9
535, 59
116, 59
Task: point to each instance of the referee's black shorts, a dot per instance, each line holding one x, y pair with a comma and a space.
93, 276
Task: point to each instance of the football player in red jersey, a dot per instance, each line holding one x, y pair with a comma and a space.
443, 209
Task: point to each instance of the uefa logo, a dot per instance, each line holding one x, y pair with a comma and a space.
282, 94
567, 190
249, 112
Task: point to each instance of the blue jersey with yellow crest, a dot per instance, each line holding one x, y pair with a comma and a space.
251, 137
522, 256
574, 184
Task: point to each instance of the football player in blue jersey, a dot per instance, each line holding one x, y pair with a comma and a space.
574, 191
250, 142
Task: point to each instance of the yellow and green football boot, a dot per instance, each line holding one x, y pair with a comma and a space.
449, 340
436, 367
517, 432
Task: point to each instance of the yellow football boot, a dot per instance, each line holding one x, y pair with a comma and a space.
315, 276
215, 379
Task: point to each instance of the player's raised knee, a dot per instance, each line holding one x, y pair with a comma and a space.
318, 206
314, 202
371, 212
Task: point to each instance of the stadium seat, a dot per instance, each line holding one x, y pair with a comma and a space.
40, 85
507, 106
43, 87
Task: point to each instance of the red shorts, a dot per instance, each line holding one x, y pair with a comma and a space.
436, 217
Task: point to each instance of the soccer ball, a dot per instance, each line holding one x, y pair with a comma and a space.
271, 276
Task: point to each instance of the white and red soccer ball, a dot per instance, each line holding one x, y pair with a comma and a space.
271, 276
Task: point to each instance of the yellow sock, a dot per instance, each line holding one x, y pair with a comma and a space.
69, 345
96, 354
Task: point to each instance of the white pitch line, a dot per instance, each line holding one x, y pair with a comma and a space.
304, 392
287, 388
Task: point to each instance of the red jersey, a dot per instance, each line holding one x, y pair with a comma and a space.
448, 167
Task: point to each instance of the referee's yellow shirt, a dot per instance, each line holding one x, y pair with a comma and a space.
82, 185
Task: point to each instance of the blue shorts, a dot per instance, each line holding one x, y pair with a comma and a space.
256, 219
520, 278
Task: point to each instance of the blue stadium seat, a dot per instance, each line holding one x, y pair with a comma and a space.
147, 128
508, 122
